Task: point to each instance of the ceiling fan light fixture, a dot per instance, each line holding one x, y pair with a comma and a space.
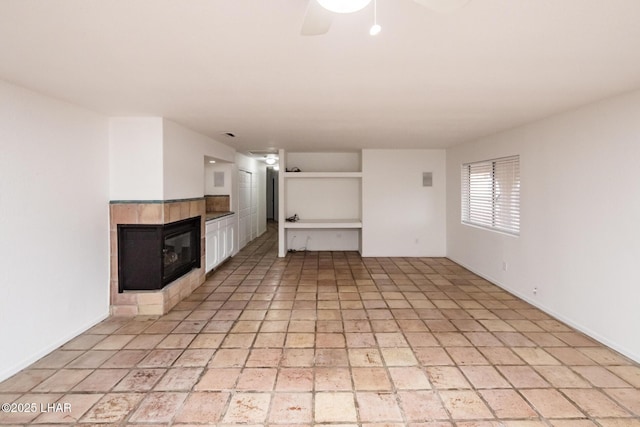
375, 28
344, 6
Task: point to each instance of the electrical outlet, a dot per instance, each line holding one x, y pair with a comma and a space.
535, 291
505, 266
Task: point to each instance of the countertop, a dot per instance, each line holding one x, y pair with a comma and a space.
210, 216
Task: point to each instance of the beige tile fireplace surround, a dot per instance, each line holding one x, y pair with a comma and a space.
132, 303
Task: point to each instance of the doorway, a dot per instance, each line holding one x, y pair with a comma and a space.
272, 194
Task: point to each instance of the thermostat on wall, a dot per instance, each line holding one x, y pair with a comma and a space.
427, 179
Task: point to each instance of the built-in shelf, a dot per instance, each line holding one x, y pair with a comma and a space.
323, 174
329, 191
324, 223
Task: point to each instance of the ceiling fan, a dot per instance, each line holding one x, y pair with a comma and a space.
320, 13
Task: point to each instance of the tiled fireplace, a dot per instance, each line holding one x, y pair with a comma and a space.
136, 213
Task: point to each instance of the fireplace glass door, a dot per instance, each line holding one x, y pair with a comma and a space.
152, 256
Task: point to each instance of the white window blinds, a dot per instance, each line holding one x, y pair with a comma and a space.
491, 194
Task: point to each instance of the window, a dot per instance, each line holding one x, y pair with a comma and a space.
491, 194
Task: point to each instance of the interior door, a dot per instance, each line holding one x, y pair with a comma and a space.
254, 207
244, 208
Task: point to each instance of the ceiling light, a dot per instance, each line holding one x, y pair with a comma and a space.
270, 160
212, 161
344, 6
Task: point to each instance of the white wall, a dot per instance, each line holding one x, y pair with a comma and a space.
324, 162
209, 169
580, 202
400, 217
135, 158
324, 198
183, 160
54, 224
326, 239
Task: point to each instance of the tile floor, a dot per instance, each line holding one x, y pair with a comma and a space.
333, 339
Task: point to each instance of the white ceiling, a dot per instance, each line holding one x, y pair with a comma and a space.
241, 66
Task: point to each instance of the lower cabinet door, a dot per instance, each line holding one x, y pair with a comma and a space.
231, 234
211, 249
219, 241
222, 244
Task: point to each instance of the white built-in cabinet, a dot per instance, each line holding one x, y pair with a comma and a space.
326, 195
211, 244
219, 240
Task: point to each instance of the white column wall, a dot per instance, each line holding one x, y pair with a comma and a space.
183, 160
580, 204
54, 224
400, 217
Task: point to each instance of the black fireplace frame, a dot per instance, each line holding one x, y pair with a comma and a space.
141, 260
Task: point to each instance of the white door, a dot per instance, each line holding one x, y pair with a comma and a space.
244, 208
254, 208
